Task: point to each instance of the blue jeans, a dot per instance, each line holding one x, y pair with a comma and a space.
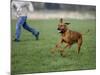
22, 21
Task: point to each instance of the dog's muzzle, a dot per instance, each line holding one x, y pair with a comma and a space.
60, 30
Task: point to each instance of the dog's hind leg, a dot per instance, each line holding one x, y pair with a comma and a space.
79, 44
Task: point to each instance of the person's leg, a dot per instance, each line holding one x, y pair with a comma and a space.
32, 30
18, 28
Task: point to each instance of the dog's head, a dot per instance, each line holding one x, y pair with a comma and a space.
62, 27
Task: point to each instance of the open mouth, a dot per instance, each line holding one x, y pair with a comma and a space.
60, 31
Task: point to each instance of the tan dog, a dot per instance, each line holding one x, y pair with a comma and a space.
68, 37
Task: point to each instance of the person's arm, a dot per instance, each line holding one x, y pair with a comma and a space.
31, 7
28, 5
16, 9
18, 12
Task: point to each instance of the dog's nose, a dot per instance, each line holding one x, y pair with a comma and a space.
58, 29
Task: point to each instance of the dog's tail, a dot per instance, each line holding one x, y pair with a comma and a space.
80, 41
86, 32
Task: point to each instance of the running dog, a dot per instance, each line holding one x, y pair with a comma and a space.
68, 37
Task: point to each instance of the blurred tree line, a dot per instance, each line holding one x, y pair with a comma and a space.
66, 7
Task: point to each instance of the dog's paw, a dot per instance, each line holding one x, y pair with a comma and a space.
63, 54
52, 51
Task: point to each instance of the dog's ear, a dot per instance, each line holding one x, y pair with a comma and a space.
66, 23
61, 20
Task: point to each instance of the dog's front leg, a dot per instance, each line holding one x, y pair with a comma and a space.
58, 46
62, 52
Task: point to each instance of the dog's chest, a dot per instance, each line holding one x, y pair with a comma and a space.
66, 38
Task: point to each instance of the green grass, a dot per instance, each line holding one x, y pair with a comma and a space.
31, 56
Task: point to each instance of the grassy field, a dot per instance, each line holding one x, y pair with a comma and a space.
31, 56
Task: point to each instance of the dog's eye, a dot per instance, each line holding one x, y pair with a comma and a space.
62, 25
